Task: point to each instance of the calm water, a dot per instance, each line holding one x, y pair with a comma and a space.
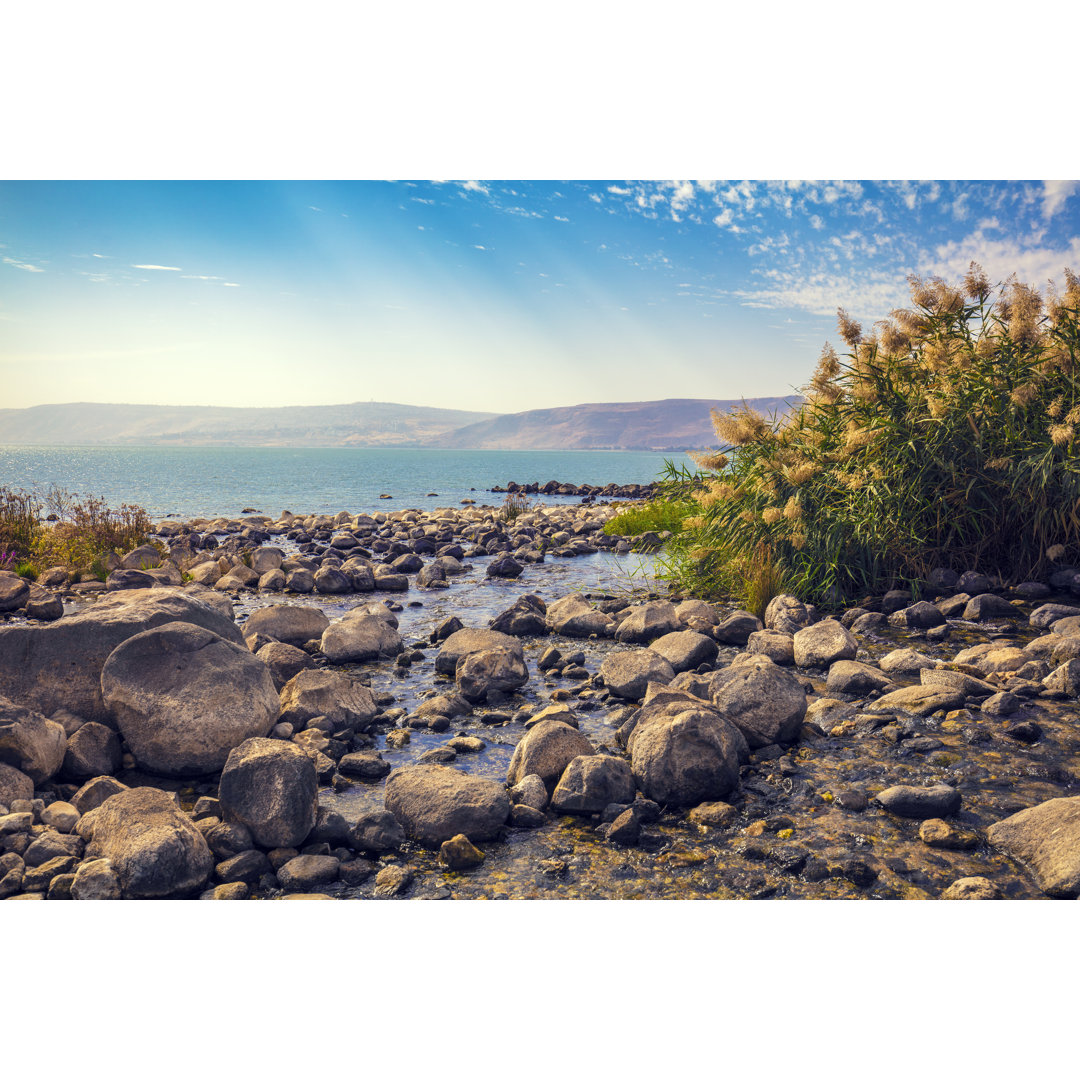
211, 481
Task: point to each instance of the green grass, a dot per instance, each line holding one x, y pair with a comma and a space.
654, 516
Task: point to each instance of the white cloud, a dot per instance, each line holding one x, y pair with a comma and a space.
725, 220
231, 284
479, 247
200, 277
474, 185
557, 218
816, 222
595, 198
1000, 258
960, 207
317, 209
96, 256
1055, 193
152, 266
23, 265
616, 190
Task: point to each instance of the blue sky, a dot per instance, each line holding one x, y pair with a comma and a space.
491, 295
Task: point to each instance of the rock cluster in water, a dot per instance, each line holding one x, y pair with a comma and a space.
152, 747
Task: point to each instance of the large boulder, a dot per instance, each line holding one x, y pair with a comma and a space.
271, 787
293, 624
284, 661
855, 677
360, 635
183, 697
30, 743
765, 702
471, 640
14, 784
574, 616
1046, 839
500, 669
628, 672
58, 665
545, 750
346, 702
647, 622
685, 650
526, 617
155, 850
92, 750
737, 628
823, 643
14, 591
682, 753
787, 613
591, 782
434, 803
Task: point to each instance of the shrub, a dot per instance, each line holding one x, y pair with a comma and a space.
947, 437
514, 505
653, 516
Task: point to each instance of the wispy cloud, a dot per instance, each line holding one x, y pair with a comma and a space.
153, 266
231, 284
197, 277
317, 209
1055, 194
23, 265
475, 185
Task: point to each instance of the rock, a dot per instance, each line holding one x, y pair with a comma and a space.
30, 743
226, 838
270, 787
1048, 614
682, 755
294, 624
1000, 704
435, 802
61, 816
920, 802
987, 606
590, 782
919, 616
14, 591
971, 581
625, 830
365, 764
248, 866
824, 643
647, 622
300, 580
530, 791
1063, 681
469, 640
628, 672
93, 750
155, 850
853, 677
737, 628
685, 650
284, 661
499, 668
330, 827
377, 831
777, 645
95, 879
972, 888
14, 784
946, 679
51, 845
574, 616
459, 853
392, 881
920, 700
545, 750
346, 702
527, 817
713, 815
934, 832
905, 662
1046, 839
787, 613
466, 744
868, 622
765, 702
308, 872
697, 615
94, 792
42, 605
505, 566
360, 635
526, 617
183, 697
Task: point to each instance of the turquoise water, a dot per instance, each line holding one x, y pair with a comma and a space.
213, 481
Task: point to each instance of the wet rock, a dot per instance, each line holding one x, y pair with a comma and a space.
972, 888
920, 700
905, 662
647, 622
183, 697
823, 644
685, 650
714, 815
786, 613
464, 642
504, 567
530, 791
500, 668
1046, 839
292, 624
307, 872
737, 628
392, 881
920, 802
917, 616
986, 606
777, 645
934, 832
459, 853
346, 702
868, 622
155, 850
852, 800
526, 617
94, 750
1027, 732
270, 787
434, 803
30, 743
545, 751
682, 755
95, 879
376, 832
527, 817
590, 782
94, 792
466, 744
628, 672
364, 764
959, 681
574, 616
765, 702
854, 677
625, 830
360, 635
1063, 681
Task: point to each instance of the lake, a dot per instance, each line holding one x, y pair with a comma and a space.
186, 482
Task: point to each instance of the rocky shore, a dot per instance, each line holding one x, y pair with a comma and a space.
432, 705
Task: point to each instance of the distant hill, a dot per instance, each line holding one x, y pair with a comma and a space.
672, 424
374, 423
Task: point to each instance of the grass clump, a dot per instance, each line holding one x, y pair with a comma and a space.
947, 437
653, 516
514, 505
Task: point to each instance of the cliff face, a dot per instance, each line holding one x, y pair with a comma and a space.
673, 424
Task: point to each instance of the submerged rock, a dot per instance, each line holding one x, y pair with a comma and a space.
1046, 839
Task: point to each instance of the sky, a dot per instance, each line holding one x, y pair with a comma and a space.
498, 296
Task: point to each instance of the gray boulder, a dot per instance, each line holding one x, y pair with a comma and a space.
58, 665
1046, 839
918, 616
93, 750
647, 622
94, 792
283, 662
377, 831
903, 800
183, 697
777, 645
270, 786
434, 803
737, 628
471, 640
787, 613
155, 850
500, 669
765, 702
526, 617
628, 672
824, 643
545, 750
854, 677
360, 635
346, 702
30, 743
14, 784
293, 624
308, 872
14, 591
685, 650
574, 616
591, 782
